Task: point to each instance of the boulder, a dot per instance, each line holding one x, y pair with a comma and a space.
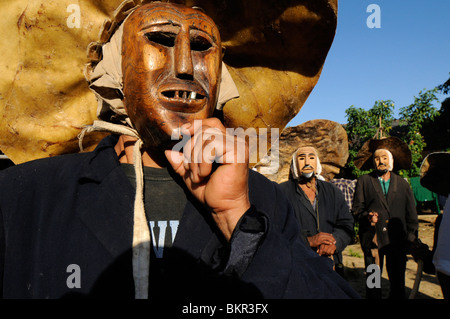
328, 137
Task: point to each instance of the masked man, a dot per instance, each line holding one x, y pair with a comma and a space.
320, 207
147, 215
434, 175
385, 208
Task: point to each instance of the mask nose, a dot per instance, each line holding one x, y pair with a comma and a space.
184, 68
307, 161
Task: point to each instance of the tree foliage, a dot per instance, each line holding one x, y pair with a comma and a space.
445, 87
363, 125
437, 132
413, 117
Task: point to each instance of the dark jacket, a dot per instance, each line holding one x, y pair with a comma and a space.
334, 215
397, 215
78, 210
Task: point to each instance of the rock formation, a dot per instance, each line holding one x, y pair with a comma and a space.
328, 137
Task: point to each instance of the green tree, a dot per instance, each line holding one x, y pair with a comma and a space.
445, 87
363, 125
413, 118
437, 132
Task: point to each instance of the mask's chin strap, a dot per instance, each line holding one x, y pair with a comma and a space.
141, 231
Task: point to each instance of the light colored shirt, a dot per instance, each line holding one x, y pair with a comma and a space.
441, 258
384, 185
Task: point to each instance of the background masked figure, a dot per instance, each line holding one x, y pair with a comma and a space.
146, 215
323, 215
435, 175
385, 208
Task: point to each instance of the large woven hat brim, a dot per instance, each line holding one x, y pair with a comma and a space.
435, 173
362, 159
399, 149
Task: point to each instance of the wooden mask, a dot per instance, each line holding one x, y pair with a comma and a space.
307, 161
171, 61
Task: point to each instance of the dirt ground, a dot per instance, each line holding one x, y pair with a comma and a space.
429, 286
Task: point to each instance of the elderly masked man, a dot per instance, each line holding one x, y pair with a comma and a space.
143, 216
320, 207
385, 208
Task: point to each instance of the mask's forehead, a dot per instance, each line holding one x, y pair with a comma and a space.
169, 14
307, 150
381, 152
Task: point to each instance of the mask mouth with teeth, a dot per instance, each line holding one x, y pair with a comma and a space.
172, 62
183, 99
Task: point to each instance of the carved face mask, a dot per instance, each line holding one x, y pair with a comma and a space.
383, 161
171, 61
307, 161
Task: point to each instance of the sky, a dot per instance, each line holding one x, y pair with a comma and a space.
408, 53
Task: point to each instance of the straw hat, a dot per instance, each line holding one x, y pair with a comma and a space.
399, 149
435, 172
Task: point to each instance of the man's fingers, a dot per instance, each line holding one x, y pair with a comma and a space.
326, 250
208, 142
326, 238
204, 148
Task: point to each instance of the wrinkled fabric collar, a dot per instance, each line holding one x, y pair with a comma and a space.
102, 160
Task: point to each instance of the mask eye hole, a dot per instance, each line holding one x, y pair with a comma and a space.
200, 44
166, 39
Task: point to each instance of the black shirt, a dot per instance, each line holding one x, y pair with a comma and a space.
164, 201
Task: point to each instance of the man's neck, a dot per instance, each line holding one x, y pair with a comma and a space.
386, 176
309, 188
151, 158
308, 184
307, 181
